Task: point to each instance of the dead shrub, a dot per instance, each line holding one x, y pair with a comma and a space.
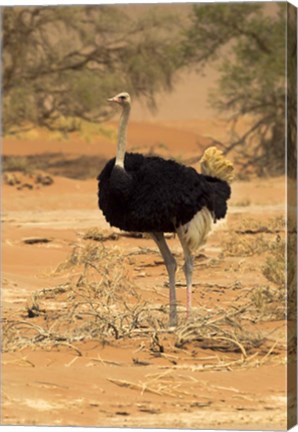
220, 331
274, 268
268, 304
282, 273
99, 235
244, 246
98, 301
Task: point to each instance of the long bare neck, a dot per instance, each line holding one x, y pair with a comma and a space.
122, 136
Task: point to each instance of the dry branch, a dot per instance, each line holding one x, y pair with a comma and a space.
99, 301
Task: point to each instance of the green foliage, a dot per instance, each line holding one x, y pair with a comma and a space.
249, 46
19, 106
212, 26
65, 61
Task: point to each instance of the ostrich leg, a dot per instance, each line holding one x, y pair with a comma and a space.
187, 268
171, 266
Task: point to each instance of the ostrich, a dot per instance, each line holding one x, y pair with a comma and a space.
154, 195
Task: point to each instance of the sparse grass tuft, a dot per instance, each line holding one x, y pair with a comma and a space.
274, 268
268, 303
242, 246
99, 235
251, 237
273, 225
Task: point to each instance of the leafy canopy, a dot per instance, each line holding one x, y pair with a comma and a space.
65, 61
249, 47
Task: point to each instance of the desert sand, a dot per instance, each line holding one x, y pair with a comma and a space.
233, 376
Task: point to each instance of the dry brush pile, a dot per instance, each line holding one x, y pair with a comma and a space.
99, 300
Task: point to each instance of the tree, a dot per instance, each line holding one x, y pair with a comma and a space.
250, 47
63, 62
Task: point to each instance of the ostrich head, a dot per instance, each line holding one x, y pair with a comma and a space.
122, 99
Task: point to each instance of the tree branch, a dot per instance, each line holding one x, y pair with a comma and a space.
247, 133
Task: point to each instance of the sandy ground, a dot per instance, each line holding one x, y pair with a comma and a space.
197, 388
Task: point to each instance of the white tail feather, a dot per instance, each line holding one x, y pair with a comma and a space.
196, 231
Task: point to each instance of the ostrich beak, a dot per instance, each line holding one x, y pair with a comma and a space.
113, 99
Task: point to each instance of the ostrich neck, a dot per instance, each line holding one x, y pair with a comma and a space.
122, 137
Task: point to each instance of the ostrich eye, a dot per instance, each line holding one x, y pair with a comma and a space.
122, 98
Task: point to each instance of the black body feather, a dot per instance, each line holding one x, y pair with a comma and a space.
156, 195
